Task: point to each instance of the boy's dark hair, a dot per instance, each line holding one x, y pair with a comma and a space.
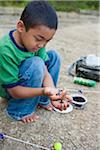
39, 13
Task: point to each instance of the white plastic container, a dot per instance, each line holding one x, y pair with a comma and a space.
78, 101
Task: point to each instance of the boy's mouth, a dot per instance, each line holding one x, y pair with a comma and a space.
35, 49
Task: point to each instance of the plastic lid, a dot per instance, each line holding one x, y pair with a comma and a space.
69, 109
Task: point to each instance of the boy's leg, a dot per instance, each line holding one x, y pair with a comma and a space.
31, 74
53, 66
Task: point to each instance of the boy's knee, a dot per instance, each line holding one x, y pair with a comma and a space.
33, 66
54, 55
37, 64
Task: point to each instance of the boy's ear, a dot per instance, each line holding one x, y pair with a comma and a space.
20, 26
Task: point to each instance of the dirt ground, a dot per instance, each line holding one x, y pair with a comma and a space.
77, 35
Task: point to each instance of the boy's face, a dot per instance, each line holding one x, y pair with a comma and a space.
35, 38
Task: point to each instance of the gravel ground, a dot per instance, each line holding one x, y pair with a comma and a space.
77, 35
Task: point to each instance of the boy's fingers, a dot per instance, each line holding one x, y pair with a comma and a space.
65, 106
68, 97
56, 104
61, 94
60, 105
54, 98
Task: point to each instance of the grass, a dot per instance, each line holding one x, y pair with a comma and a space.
59, 5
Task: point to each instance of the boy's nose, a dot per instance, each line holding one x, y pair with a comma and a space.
40, 45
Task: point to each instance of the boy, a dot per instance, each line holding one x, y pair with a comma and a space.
29, 74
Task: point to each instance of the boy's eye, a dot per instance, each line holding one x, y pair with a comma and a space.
38, 39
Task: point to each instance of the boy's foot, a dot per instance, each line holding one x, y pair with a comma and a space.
48, 107
30, 118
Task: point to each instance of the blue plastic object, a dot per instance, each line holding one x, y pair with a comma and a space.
1, 136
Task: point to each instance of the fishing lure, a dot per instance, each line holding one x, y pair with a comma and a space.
57, 146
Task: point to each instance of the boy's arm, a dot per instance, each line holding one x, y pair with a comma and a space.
48, 81
25, 92
28, 92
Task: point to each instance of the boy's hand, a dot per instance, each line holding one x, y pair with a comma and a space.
60, 95
63, 102
54, 93
61, 106
48, 91
59, 98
